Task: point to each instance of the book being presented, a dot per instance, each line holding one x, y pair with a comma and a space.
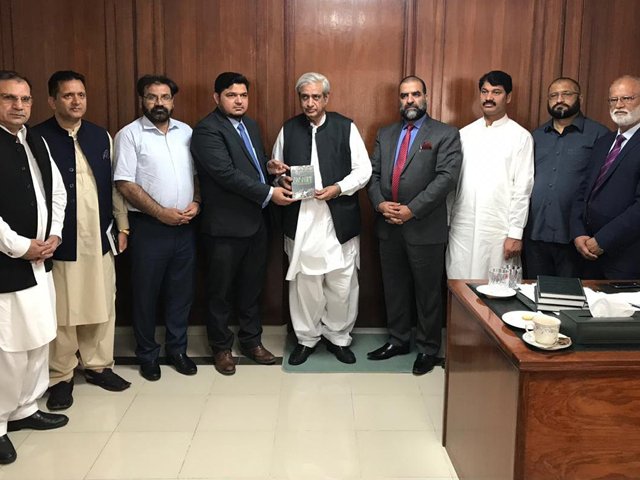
302, 182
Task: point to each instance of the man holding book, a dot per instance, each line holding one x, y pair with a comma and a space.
322, 233
83, 267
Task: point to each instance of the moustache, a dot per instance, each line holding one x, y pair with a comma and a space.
489, 103
561, 105
159, 110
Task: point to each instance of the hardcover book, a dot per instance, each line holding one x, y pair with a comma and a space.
302, 182
560, 287
112, 237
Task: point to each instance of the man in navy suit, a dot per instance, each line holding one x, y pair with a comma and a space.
230, 160
606, 216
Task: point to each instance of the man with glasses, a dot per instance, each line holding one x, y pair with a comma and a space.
322, 234
605, 224
491, 204
155, 173
83, 268
563, 146
32, 203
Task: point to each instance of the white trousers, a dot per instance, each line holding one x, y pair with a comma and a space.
24, 377
324, 306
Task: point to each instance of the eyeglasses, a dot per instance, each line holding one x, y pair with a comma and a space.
166, 98
565, 94
625, 100
11, 99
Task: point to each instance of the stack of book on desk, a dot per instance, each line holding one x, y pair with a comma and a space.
559, 293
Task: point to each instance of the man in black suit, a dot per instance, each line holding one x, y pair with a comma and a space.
416, 163
230, 160
606, 215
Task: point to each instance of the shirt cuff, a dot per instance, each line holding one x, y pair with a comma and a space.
20, 247
268, 199
515, 233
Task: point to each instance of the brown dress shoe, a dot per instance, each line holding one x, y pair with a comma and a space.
259, 354
224, 363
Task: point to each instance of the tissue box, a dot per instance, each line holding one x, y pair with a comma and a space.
587, 330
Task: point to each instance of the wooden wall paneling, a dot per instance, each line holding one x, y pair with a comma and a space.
6, 36
359, 46
64, 35
608, 50
429, 49
573, 13
122, 99
483, 36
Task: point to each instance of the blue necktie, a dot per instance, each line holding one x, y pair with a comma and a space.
247, 143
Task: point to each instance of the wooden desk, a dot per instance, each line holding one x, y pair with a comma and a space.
519, 414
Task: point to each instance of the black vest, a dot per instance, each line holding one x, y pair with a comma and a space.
18, 206
96, 147
334, 158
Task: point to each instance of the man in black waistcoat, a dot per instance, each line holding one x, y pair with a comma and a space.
83, 267
322, 234
32, 202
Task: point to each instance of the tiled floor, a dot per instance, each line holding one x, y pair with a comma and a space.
261, 423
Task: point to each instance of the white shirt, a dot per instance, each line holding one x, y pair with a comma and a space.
492, 199
160, 163
27, 317
316, 250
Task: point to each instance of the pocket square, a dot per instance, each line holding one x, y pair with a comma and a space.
426, 146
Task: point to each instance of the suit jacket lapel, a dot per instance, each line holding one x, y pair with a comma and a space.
421, 136
626, 149
392, 146
233, 132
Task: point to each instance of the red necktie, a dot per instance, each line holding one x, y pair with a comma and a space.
613, 154
399, 166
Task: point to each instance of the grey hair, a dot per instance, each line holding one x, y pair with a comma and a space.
313, 77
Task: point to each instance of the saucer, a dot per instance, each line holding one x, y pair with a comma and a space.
493, 292
563, 342
515, 318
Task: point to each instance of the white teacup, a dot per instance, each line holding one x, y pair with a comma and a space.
545, 329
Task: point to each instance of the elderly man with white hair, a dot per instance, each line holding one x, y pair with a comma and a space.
322, 233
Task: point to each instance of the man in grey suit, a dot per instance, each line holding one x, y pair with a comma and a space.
416, 163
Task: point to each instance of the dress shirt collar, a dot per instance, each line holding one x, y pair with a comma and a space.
148, 125
416, 125
497, 123
577, 124
22, 133
628, 134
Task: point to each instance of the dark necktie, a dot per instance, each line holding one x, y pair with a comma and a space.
247, 143
399, 166
613, 154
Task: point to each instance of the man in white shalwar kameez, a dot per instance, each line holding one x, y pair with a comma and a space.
32, 203
491, 204
322, 233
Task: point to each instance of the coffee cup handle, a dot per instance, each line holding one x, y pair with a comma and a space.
529, 327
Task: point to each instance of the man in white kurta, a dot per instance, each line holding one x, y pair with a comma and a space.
322, 274
491, 204
27, 315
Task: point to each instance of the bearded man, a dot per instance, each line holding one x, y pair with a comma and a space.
605, 224
416, 163
563, 146
155, 174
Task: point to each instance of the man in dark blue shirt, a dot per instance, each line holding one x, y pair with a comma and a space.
562, 149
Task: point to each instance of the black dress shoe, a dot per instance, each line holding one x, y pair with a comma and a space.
387, 351
344, 354
424, 363
300, 354
107, 379
183, 364
7, 452
60, 396
150, 370
38, 421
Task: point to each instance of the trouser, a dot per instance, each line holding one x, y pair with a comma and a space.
93, 342
412, 279
547, 258
236, 269
325, 305
162, 267
24, 378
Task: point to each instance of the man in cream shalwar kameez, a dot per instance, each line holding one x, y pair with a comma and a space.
491, 204
322, 274
27, 315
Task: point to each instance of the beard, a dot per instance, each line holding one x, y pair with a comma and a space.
414, 112
158, 114
568, 111
627, 120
